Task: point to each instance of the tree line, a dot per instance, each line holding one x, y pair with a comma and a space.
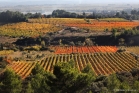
10, 16
134, 15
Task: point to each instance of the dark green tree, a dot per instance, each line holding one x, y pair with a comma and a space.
9, 16
113, 83
42, 81
84, 14
39, 84
37, 70
88, 70
114, 33
117, 14
135, 87
10, 83
29, 88
68, 78
124, 86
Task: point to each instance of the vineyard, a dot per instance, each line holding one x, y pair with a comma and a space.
101, 63
104, 60
114, 19
27, 29
6, 52
58, 21
134, 49
83, 49
40, 26
91, 24
73, 20
101, 26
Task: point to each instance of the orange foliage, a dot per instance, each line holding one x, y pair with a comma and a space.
100, 26
83, 49
93, 25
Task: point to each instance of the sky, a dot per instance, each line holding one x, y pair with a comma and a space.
72, 1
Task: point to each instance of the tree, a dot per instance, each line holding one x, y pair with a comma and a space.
41, 81
106, 30
63, 14
89, 71
79, 43
121, 41
39, 84
43, 43
113, 83
133, 12
104, 90
84, 14
135, 87
114, 33
89, 42
1, 46
68, 78
65, 76
71, 43
60, 41
124, 86
11, 83
117, 14
37, 15
37, 70
29, 88
10, 16
85, 78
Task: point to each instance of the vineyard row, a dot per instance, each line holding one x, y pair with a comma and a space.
101, 63
83, 49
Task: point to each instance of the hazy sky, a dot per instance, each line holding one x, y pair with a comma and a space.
75, 1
